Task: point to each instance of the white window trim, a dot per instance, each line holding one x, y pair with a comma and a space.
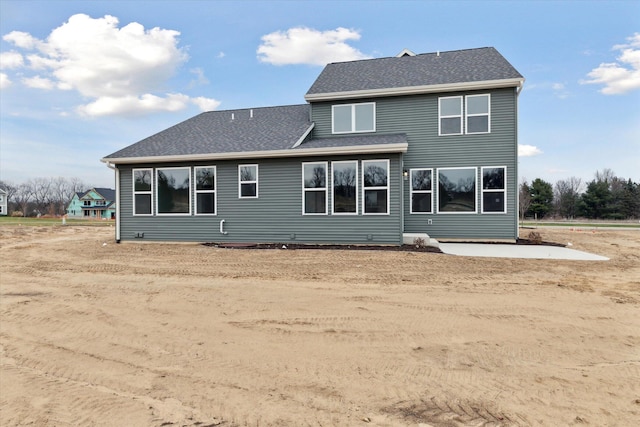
353, 118
475, 194
325, 190
412, 191
467, 115
134, 192
440, 116
196, 191
387, 187
333, 196
240, 181
482, 190
158, 213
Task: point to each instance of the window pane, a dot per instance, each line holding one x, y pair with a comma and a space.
477, 124
493, 201
421, 179
375, 201
315, 202
205, 179
421, 202
478, 104
450, 106
342, 118
248, 190
450, 126
143, 204
173, 190
493, 178
457, 190
315, 176
248, 173
375, 174
206, 203
344, 187
364, 117
142, 180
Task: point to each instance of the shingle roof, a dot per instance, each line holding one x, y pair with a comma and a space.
355, 141
230, 131
108, 193
459, 66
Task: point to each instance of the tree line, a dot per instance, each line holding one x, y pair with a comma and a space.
42, 196
607, 196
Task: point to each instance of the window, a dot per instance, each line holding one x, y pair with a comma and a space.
477, 114
86, 203
375, 186
349, 118
314, 188
494, 190
142, 190
450, 114
248, 181
345, 187
205, 190
173, 191
421, 190
457, 190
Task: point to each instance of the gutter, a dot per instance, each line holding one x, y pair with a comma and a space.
300, 152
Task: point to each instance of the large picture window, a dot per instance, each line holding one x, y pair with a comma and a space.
205, 177
375, 186
248, 181
457, 190
450, 115
173, 191
494, 189
350, 118
314, 188
345, 187
142, 191
477, 113
421, 191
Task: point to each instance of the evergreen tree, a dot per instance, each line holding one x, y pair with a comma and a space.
541, 198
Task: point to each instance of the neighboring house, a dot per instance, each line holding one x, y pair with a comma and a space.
3, 202
384, 148
97, 203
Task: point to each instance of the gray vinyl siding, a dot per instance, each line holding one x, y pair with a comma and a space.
274, 217
417, 117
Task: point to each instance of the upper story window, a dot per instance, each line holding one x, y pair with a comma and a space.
494, 190
86, 203
477, 114
314, 188
248, 181
173, 191
351, 118
142, 191
205, 190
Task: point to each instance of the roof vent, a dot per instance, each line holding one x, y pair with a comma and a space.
251, 113
405, 52
233, 116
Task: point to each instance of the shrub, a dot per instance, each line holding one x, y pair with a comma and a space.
17, 213
535, 237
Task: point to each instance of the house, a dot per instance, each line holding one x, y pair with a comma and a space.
3, 202
383, 150
97, 203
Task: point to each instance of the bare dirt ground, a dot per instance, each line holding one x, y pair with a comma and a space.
145, 334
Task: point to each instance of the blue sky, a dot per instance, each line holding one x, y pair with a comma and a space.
82, 79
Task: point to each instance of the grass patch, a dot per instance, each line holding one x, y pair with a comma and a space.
48, 222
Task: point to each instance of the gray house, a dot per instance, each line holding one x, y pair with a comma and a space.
383, 148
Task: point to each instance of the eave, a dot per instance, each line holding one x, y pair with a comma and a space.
297, 152
416, 90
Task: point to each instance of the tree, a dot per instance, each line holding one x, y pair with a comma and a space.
541, 198
23, 196
567, 197
525, 198
594, 203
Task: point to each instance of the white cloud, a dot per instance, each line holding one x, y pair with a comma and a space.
623, 75
205, 104
9, 60
118, 68
5, 82
38, 82
528, 150
301, 45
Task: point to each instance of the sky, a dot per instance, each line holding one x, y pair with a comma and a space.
80, 80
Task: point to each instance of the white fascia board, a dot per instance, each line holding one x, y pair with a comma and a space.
304, 135
416, 90
299, 152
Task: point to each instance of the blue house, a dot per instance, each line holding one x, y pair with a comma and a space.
97, 203
382, 151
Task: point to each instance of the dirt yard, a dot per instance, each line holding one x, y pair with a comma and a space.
95, 333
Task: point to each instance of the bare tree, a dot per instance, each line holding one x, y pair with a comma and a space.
41, 194
567, 196
525, 198
23, 196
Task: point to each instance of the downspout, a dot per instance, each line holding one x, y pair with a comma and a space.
517, 230
117, 171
